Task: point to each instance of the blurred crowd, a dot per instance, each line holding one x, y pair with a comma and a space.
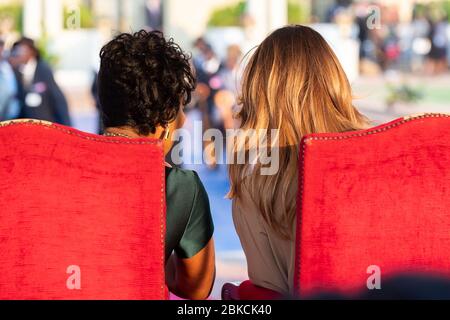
217, 87
27, 85
421, 45
217, 82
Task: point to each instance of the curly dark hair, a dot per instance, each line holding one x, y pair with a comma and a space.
143, 80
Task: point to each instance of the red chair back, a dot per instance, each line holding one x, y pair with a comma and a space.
82, 216
374, 203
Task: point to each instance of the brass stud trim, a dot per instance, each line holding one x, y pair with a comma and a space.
76, 133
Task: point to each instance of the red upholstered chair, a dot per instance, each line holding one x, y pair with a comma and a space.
82, 216
378, 198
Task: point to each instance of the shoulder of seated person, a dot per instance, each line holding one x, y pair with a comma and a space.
182, 175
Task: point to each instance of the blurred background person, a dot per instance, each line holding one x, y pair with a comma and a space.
207, 65
387, 41
41, 98
336, 9
230, 69
154, 14
218, 82
94, 93
437, 58
420, 45
229, 76
9, 105
365, 35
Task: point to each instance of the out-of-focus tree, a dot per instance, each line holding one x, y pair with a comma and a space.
13, 13
298, 12
229, 16
446, 8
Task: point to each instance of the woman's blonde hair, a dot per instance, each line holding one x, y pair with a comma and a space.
293, 83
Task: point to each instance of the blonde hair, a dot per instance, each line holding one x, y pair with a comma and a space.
293, 83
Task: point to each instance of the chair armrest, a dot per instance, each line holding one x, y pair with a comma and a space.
230, 291
248, 291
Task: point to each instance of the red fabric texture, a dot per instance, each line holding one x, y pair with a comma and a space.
379, 197
73, 199
248, 291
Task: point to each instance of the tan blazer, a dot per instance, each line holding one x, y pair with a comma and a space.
270, 258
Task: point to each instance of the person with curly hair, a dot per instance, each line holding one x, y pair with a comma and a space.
143, 84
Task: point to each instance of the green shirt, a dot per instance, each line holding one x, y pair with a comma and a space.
189, 222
